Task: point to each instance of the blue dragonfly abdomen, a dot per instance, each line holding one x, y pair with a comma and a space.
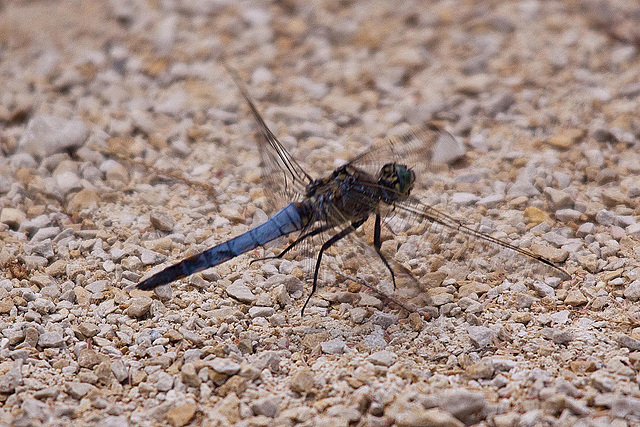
285, 221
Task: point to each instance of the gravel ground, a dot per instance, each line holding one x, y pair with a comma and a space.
125, 145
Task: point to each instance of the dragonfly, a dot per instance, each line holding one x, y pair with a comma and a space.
376, 184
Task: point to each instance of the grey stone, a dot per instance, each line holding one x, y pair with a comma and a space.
464, 404
164, 381
12, 378
47, 134
267, 406
480, 336
384, 319
632, 292
51, 339
261, 312
139, 306
383, 358
78, 390
225, 366
241, 292
334, 346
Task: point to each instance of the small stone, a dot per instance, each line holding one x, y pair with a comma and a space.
632, 292
357, 314
162, 220
566, 138
480, 370
225, 366
241, 292
433, 417
605, 217
535, 215
383, 358
543, 290
119, 370
139, 307
629, 342
334, 346
12, 217
550, 253
68, 182
586, 229
189, 375
302, 381
47, 134
261, 312
384, 319
182, 414
267, 406
415, 321
83, 199
78, 390
568, 215
589, 262
164, 381
464, 404
464, 199
88, 358
575, 298
480, 336
562, 336
559, 198
12, 378
51, 339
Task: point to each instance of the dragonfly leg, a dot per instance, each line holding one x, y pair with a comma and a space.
324, 247
313, 232
377, 244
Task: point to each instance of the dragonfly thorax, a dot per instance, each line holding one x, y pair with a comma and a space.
397, 177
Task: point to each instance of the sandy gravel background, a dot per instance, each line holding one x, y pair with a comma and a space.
543, 94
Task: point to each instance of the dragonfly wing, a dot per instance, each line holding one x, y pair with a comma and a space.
417, 149
467, 252
284, 178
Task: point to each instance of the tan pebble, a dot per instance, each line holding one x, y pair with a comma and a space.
181, 414
302, 381
12, 217
82, 200
535, 216
575, 298
566, 138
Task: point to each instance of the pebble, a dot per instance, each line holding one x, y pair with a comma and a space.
51, 339
480, 336
302, 381
383, 358
575, 298
463, 404
12, 217
162, 220
182, 414
78, 390
139, 307
47, 134
241, 292
267, 406
464, 199
334, 346
384, 319
11, 379
225, 366
431, 417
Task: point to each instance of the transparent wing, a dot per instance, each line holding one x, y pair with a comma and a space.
283, 177
466, 252
417, 149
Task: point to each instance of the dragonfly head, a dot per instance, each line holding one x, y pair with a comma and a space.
397, 177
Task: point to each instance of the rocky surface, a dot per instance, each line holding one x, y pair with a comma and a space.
125, 145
